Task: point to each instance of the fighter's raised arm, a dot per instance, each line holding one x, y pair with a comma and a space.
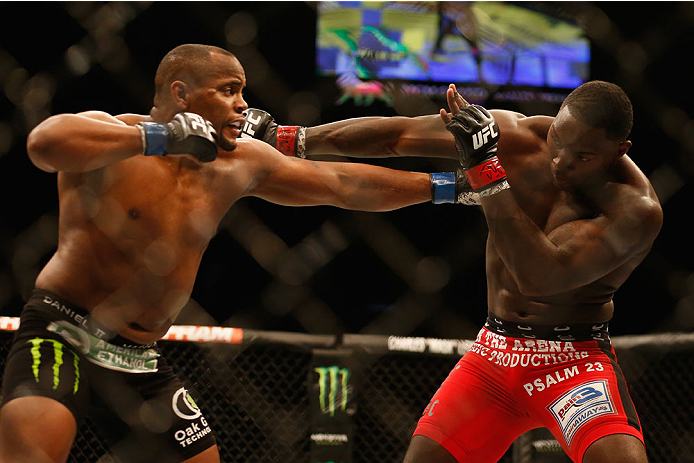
93, 139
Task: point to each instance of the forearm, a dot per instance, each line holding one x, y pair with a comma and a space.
378, 137
376, 189
77, 143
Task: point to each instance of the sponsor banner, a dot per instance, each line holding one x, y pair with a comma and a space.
221, 334
9, 323
428, 345
332, 388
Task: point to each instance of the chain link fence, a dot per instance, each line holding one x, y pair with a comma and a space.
258, 396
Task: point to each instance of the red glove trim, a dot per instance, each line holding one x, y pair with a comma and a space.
483, 174
286, 139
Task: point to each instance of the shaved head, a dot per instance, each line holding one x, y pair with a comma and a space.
189, 63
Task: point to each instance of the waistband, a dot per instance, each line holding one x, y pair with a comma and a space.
565, 332
57, 308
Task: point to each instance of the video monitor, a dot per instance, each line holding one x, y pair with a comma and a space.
485, 43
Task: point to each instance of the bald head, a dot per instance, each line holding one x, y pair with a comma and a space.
189, 63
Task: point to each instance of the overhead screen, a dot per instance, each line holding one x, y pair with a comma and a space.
487, 43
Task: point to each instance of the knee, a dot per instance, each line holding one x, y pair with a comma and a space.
425, 450
617, 448
35, 429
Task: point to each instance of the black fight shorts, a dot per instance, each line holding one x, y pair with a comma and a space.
128, 390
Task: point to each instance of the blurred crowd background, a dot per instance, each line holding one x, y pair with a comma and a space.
417, 271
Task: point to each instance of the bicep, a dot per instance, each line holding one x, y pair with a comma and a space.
287, 180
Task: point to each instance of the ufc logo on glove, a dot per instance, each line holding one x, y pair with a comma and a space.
197, 122
481, 137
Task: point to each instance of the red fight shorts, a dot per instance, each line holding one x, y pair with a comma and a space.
505, 386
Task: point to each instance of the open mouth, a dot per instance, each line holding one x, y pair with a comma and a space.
235, 127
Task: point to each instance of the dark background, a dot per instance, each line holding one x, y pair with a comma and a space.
416, 271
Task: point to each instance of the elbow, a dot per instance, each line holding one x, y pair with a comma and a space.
40, 148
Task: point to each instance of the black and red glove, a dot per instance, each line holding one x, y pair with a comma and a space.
287, 139
476, 136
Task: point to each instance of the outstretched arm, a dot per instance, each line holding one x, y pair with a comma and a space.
378, 137
375, 137
301, 182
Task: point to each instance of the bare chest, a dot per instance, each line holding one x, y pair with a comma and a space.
147, 202
540, 199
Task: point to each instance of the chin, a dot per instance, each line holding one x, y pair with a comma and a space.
226, 144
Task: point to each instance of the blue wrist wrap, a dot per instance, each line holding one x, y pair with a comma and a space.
442, 187
156, 138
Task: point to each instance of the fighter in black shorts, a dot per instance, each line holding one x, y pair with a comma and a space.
140, 198
139, 405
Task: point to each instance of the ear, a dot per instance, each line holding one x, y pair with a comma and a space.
180, 94
623, 148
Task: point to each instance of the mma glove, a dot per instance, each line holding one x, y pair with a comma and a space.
452, 187
289, 140
187, 133
476, 136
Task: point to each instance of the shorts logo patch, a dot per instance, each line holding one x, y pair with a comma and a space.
580, 405
184, 406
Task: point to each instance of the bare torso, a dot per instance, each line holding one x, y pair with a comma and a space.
523, 153
132, 235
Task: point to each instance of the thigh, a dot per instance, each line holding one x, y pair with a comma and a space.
150, 416
471, 415
44, 397
36, 429
42, 364
585, 401
616, 447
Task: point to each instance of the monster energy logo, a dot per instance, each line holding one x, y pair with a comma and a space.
57, 361
330, 387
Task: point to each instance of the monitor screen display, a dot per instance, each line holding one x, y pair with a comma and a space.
494, 43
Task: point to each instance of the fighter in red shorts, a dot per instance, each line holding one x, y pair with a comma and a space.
518, 377
570, 216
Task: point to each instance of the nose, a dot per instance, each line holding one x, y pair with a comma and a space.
240, 105
562, 161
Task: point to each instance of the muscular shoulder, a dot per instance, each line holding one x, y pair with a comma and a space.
636, 211
132, 119
128, 119
253, 156
521, 134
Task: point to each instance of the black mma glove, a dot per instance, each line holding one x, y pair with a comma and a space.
288, 139
452, 187
187, 133
476, 136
